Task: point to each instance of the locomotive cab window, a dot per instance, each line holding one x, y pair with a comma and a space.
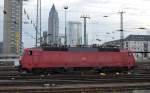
129, 54
30, 52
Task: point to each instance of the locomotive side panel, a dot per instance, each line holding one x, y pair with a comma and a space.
62, 59
83, 59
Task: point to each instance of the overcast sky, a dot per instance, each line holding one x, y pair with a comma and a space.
137, 14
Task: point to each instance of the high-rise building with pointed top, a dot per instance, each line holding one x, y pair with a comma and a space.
53, 26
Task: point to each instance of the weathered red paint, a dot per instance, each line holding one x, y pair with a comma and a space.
66, 59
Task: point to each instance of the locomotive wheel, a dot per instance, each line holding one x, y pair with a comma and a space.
38, 71
22, 70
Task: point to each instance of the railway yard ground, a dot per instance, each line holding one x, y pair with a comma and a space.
12, 81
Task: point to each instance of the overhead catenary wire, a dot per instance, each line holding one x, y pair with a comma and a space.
29, 21
36, 25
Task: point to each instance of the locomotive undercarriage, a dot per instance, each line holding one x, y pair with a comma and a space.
77, 70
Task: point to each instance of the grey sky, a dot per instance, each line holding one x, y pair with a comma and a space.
1, 20
137, 15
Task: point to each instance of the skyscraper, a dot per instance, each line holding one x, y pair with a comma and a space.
74, 35
53, 26
12, 35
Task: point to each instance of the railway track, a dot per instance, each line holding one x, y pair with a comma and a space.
40, 82
8, 68
60, 84
12, 73
71, 77
11, 81
75, 88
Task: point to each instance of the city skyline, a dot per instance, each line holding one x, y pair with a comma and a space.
136, 15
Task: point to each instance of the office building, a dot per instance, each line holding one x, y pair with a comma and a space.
74, 34
12, 34
53, 27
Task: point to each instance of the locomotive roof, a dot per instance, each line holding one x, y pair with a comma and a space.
81, 48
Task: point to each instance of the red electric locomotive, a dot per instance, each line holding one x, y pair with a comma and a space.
56, 58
